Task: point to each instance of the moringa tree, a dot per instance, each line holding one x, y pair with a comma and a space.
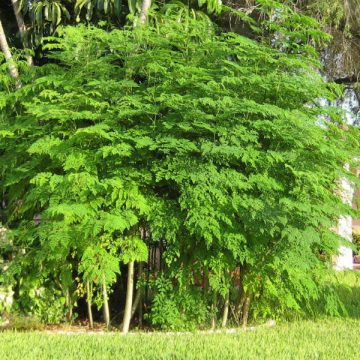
208, 140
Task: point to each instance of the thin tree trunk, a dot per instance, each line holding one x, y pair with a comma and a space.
68, 302
22, 28
140, 290
245, 313
141, 311
213, 310
89, 303
106, 304
135, 305
226, 310
8, 57
129, 297
146, 295
239, 307
240, 304
145, 7
144, 235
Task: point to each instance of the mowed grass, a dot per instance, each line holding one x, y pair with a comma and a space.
325, 339
328, 338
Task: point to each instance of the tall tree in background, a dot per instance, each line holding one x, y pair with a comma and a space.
13, 70
8, 56
22, 28
145, 7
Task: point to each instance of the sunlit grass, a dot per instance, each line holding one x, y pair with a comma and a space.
325, 339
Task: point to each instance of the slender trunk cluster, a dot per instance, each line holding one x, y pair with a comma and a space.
240, 311
137, 304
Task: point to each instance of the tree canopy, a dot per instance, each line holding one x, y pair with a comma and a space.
178, 133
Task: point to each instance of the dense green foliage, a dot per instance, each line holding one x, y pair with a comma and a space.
212, 142
204, 148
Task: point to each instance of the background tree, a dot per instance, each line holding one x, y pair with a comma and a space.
7, 54
22, 28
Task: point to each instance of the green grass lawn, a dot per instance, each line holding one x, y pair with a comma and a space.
326, 339
329, 338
